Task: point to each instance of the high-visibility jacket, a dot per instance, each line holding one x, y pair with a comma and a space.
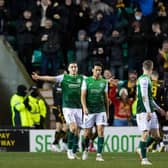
20, 114
134, 108
43, 108
38, 108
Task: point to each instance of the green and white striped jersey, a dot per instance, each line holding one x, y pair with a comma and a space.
145, 102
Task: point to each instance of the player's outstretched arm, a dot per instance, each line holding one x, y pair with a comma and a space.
35, 76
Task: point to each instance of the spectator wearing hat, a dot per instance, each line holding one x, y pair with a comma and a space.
122, 107
20, 108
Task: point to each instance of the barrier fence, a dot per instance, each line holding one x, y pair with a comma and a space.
117, 139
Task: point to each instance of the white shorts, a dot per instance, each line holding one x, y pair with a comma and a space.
98, 118
144, 124
73, 115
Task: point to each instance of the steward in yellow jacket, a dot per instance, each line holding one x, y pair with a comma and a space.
20, 108
38, 108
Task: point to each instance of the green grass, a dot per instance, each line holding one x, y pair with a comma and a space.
59, 160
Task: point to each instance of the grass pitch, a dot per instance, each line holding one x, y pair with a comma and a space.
59, 160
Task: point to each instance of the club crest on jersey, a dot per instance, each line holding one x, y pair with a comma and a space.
78, 81
101, 85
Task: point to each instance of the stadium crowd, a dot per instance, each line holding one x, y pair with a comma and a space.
119, 33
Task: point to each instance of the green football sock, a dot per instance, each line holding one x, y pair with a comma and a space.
100, 144
75, 143
143, 149
70, 139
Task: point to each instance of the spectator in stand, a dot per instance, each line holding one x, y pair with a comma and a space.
139, 17
83, 17
97, 48
100, 22
146, 6
162, 58
155, 39
50, 46
162, 17
38, 109
136, 42
122, 107
121, 17
53, 11
26, 30
161, 8
99, 5
114, 43
67, 14
82, 51
20, 108
130, 84
112, 84
43, 10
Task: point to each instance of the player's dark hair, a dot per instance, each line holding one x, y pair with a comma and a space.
72, 62
98, 64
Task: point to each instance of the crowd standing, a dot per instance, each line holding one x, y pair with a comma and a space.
119, 33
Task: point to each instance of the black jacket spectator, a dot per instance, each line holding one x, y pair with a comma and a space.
115, 42
26, 37
50, 46
137, 44
98, 48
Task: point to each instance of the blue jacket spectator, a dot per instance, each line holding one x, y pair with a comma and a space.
146, 6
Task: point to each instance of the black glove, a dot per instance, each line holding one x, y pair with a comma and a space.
26, 103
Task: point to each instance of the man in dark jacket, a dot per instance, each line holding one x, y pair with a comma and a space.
26, 29
50, 44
